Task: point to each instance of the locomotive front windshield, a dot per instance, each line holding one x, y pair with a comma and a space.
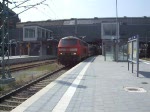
65, 42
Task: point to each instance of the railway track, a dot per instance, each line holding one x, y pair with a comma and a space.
19, 67
16, 97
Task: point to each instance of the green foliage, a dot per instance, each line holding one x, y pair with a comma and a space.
1, 88
26, 76
51, 67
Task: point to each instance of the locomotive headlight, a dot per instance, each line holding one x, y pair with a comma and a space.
74, 53
61, 53
73, 49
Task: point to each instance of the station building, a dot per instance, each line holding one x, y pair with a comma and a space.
94, 30
39, 41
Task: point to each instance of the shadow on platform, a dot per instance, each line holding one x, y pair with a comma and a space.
145, 74
69, 84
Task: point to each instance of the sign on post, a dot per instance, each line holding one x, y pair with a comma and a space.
133, 52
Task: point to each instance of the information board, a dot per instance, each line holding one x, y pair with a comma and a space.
133, 52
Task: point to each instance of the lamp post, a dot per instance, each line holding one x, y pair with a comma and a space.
116, 11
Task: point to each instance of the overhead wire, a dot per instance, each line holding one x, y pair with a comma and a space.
32, 6
53, 11
29, 6
56, 8
20, 4
58, 25
14, 2
42, 12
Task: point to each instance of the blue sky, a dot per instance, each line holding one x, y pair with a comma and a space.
66, 9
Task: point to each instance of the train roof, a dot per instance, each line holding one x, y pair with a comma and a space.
73, 37
70, 37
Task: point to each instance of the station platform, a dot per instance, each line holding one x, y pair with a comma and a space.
18, 57
27, 58
94, 85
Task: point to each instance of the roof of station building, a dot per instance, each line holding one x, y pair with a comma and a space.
86, 21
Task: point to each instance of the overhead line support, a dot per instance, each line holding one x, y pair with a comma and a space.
4, 44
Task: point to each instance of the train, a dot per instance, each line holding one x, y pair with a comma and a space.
93, 50
72, 50
144, 49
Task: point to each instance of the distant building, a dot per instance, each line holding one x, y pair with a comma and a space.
13, 18
91, 28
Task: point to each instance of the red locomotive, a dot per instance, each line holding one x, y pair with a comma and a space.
71, 50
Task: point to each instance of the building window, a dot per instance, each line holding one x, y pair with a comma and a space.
109, 29
29, 32
50, 34
39, 33
43, 33
47, 34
